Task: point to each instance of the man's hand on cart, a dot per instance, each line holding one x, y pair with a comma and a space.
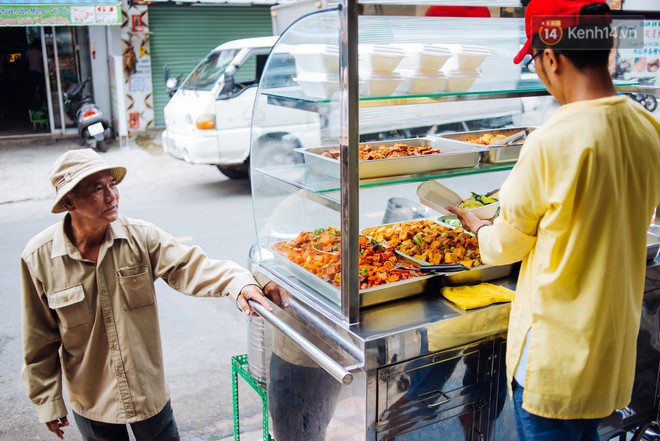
251, 292
277, 294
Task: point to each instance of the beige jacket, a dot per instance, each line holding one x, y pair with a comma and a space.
96, 324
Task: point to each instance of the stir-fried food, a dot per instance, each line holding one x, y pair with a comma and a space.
369, 152
430, 242
319, 252
485, 139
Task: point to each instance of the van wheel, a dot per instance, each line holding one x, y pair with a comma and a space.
241, 171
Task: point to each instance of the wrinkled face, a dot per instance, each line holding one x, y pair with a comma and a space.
95, 200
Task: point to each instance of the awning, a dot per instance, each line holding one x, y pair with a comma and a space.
54, 13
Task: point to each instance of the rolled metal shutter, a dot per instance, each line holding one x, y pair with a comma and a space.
185, 34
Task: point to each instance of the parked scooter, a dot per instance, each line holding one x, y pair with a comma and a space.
93, 128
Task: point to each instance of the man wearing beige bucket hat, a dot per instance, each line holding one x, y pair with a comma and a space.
90, 312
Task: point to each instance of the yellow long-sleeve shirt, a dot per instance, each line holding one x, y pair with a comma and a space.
575, 209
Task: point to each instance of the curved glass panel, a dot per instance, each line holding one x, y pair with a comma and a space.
296, 127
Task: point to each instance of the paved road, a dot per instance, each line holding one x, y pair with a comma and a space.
196, 204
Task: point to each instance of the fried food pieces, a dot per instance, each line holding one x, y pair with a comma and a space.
430, 242
370, 153
319, 252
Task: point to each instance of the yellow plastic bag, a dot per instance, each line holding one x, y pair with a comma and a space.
476, 296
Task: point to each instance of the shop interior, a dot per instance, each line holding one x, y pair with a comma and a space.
32, 83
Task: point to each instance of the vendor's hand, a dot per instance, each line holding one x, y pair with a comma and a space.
55, 426
469, 220
277, 294
251, 292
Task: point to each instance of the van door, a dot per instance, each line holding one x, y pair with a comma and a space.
235, 104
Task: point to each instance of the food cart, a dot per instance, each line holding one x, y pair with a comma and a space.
397, 360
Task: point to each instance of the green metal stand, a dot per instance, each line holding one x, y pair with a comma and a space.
239, 366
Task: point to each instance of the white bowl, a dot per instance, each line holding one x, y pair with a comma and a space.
437, 197
423, 56
316, 58
460, 80
379, 83
379, 58
420, 82
318, 84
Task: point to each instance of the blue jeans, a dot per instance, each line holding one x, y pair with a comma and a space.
532, 427
160, 427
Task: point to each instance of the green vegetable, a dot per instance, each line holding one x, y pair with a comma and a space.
418, 239
364, 271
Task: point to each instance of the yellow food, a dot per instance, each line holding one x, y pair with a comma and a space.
430, 242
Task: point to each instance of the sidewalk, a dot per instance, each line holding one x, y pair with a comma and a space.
25, 163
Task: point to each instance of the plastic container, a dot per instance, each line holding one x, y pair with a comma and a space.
460, 80
318, 84
437, 197
316, 58
379, 58
379, 83
421, 82
423, 56
259, 349
467, 57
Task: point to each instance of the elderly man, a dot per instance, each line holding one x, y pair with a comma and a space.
575, 210
89, 307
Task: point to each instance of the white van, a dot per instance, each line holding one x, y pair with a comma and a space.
208, 118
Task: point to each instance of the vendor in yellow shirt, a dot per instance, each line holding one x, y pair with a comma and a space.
575, 209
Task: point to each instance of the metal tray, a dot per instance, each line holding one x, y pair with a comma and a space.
495, 154
460, 155
368, 297
476, 274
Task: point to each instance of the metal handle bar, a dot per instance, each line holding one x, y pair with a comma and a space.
337, 371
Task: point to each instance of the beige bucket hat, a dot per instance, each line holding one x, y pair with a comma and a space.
74, 166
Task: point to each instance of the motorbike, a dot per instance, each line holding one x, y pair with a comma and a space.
94, 129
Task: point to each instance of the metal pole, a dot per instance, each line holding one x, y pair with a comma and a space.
348, 141
49, 98
59, 83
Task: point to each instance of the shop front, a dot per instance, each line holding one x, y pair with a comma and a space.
44, 49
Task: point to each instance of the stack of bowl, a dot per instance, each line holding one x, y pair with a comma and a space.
421, 69
462, 70
317, 69
377, 69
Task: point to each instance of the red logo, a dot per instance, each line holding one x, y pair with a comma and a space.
550, 32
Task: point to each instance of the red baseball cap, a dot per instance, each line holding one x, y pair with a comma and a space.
565, 9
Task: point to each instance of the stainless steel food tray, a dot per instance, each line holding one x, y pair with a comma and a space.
459, 155
476, 274
494, 154
368, 297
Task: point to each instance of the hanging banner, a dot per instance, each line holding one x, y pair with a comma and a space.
60, 15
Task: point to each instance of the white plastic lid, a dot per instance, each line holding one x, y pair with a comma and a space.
317, 77
462, 73
315, 49
415, 73
380, 49
469, 49
423, 48
375, 75
437, 196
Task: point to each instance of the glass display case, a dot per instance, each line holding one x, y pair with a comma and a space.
410, 364
449, 74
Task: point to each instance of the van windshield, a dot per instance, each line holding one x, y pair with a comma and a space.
207, 72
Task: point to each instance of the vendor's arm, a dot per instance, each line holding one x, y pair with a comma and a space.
512, 235
190, 271
41, 373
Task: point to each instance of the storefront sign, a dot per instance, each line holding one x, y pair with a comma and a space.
60, 15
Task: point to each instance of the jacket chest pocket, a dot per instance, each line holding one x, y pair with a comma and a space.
136, 286
70, 306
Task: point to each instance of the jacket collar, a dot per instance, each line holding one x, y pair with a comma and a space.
63, 246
